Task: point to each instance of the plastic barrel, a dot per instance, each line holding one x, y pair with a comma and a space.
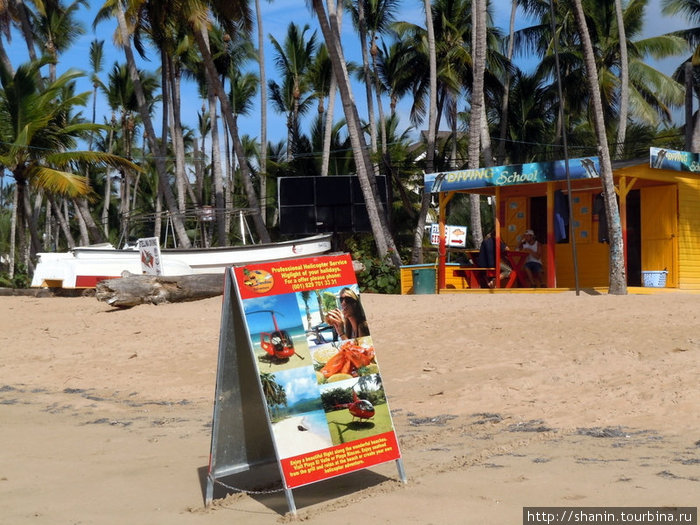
424, 281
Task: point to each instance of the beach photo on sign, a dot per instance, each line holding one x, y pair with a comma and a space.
276, 332
332, 314
342, 360
298, 420
356, 408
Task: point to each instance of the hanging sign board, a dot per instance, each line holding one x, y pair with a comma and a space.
149, 248
583, 168
669, 159
455, 236
308, 350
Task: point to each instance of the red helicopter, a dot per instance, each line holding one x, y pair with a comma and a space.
278, 344
359, 408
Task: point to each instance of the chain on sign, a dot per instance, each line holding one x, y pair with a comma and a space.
236, 489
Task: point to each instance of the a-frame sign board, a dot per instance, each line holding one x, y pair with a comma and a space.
298, 383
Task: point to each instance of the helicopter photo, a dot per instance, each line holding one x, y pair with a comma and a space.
277, 344
361, 409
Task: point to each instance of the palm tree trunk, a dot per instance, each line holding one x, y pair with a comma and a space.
334, 13
624, 81
418, 234
477, 109
202, 39
62, 222
688, 66
367, 78
94, 232
13, 230
365, 174
506, 87
216, 172
618, 281
108, 182
263, 112
159, 158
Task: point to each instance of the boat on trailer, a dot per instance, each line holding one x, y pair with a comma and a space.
85, 266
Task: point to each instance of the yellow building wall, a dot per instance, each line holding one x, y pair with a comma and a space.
689, 233
687, 267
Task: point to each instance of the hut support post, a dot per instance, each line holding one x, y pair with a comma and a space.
551, 242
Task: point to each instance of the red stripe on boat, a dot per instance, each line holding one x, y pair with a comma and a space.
90, 281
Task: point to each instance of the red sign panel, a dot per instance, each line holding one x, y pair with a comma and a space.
314, 354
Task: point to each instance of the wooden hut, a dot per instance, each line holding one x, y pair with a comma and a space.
659, 203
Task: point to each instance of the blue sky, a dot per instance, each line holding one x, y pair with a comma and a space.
276, 17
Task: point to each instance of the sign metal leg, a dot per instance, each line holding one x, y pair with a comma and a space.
402, 472
290, 501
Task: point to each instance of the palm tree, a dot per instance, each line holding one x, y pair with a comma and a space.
368, 183
96, 56
38, 139
294, 60
624, 80
690, 9
263, 108
651, 93
274, 393
57, 27
477, 107
417, 253
116, 8
234, 16
618, 282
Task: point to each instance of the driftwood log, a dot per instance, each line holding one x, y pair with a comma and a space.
131, 290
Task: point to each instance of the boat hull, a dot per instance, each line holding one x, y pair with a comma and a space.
84, 267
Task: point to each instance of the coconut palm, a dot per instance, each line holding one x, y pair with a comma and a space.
690, 9
38, 137
124, 35
293, 60
368, 183
57, 27
263, 106
652, 95
618, 281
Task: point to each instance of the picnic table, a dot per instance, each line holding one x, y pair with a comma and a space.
477, 276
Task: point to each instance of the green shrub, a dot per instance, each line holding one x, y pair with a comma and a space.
379, 276
20, 280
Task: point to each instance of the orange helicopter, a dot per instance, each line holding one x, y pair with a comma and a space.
359, 408
278, 344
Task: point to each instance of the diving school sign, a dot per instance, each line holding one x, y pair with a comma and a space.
583, 168
298, 382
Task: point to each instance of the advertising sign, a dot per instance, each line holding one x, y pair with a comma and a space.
314, 359
455, 236
583, 168
668, 159
149, 248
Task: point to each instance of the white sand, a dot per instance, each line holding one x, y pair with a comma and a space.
499, 401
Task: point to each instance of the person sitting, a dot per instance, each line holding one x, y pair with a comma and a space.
533, 263
487, 257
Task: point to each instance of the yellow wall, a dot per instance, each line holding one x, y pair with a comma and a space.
593, 256
687, 267
689, 233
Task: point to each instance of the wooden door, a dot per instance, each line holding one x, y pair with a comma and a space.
659, 214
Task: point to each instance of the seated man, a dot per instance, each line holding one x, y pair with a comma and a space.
487, 257
533, 264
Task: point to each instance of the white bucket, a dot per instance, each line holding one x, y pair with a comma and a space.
654, 279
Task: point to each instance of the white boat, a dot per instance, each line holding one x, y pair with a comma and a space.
85, 266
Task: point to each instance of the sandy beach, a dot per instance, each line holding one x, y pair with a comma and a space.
500, 401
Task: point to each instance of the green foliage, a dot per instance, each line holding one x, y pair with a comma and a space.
379, 276
21, 278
